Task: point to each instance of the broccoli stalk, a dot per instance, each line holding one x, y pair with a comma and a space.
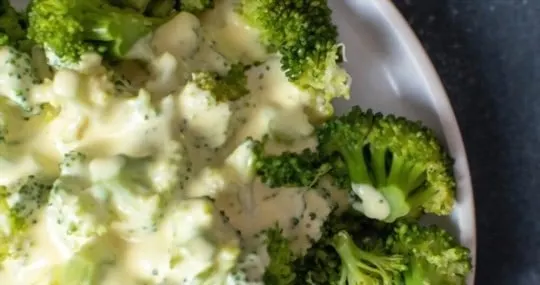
399, 161
364, 267
71, 28
303, 34
432, 254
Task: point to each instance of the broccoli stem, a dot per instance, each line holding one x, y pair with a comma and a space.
356, 163
378, 166
120, 28
363, 267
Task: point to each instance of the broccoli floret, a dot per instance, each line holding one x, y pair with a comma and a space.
433, 256
161, 8
86, 267
280, 271
21, 203
228, 87
13, 28
290, 169
362, 252
18, 77
71, 28
195, 6
397, 162
303, 34
78, 215
138, 5
139, 187
366, 267
224, 263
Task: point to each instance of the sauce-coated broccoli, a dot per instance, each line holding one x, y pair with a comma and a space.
228, 87
71, 28
303, 33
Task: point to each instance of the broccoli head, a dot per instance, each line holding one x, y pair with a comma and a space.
280, 271
397, 164
71, 28
21, 202
433, 256
290, 169
228, 87
303, 34
12, 27
195, 6
77, 215
366, 267
361, 251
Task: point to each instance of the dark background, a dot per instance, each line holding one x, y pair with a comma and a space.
487, 53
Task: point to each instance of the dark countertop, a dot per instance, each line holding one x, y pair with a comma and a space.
488, 56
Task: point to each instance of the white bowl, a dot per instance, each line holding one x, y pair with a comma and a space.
392, 73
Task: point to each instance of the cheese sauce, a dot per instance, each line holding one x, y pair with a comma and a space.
95, 119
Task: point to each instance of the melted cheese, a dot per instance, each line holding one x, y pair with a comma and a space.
94, 119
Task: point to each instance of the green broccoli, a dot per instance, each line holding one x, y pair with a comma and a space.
139, 188
351, 249
87, 266
366, 267
280, 271
398, 162
290, 169
77, 214
71, 28
21, 203
13, 28
195, 6
303, 34
138, 5
17, 71
161, 8
228, 87
433, 256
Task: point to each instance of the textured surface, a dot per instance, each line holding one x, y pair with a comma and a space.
488, 56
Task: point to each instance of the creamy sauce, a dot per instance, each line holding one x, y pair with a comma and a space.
373, 204
167, 236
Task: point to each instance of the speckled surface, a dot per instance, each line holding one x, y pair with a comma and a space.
487, 53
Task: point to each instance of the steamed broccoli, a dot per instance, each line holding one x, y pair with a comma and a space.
12, 27
18, 75
280, 271
195, 6
351, 250
71, 28
228, 87
303, 34
290, 169
138, 5
161, 8
433, 256
25, 199
77, 214
400, 159
86, 267
138, 187
365, 267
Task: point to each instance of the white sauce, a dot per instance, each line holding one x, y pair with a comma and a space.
92, 119
374, 205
